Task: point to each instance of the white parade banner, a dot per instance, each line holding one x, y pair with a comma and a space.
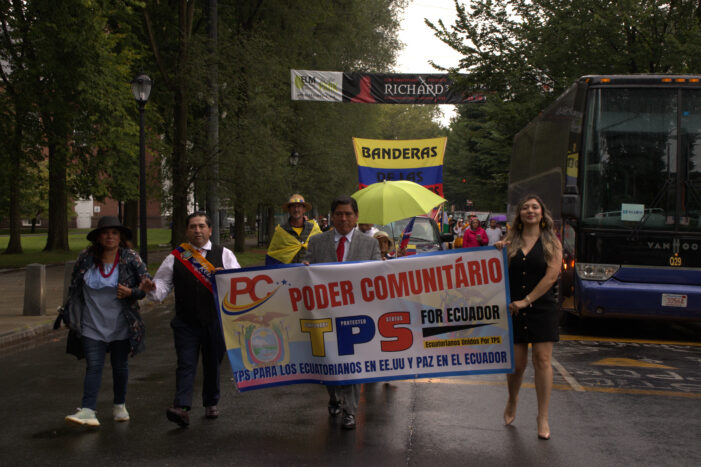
440, 314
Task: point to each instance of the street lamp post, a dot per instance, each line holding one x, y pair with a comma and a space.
141, 88
294, 161
294, 158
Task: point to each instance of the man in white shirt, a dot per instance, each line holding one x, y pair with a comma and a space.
493, 232
196, 325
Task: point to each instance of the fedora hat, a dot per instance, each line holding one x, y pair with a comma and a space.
297, 199
109, 222
382, 234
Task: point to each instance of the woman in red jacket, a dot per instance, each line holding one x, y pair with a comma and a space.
474, 235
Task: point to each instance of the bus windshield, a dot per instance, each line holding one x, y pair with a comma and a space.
641, 162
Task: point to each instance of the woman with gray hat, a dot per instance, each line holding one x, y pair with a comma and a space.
103, 313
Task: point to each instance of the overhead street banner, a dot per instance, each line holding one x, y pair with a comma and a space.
416, 160
439, 314
377, 88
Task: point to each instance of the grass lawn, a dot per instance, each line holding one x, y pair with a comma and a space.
33, 244
247, 259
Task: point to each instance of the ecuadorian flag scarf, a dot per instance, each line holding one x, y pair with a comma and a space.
202, 269
284, 246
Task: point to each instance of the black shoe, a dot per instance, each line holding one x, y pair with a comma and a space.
348, 421
334, 408
211, 411
178, 415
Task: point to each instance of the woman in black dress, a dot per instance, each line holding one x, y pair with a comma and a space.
535, 258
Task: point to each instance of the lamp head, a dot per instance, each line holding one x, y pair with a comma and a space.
141, 87
294, 158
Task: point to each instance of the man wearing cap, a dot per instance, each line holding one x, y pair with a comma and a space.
324, 224
188, 269
292, 237
344, 243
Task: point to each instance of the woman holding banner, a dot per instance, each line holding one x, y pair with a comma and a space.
535, 256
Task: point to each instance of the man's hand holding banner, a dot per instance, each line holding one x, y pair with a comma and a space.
439, 314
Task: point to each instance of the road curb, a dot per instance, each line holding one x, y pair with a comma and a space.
22, 334
25, 333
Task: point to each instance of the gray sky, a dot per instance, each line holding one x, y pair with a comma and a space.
420, 43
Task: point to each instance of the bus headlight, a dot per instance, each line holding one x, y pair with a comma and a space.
595, 272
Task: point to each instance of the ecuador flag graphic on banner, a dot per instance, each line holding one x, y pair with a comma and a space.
416, 160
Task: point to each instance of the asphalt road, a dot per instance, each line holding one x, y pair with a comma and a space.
617, 401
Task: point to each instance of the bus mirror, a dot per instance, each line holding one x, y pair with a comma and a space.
570, 205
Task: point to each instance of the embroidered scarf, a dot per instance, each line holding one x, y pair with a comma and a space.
197, 264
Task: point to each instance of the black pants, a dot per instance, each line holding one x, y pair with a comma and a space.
189, 341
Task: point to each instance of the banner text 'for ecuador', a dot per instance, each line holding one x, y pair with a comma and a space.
439, 314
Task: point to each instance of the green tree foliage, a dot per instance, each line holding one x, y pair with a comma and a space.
259, 42
19, 125
80, 56
340, 36
408, 122
172, 29
527, 52
479, 154
67, 71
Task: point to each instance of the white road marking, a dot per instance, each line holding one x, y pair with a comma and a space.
566, 374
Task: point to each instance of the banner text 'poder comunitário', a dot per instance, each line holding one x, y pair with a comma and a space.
439, 314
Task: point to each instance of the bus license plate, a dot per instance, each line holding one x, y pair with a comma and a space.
677, 300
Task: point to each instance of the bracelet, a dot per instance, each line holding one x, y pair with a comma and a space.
530, 303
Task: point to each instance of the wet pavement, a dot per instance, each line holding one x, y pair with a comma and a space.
446, 421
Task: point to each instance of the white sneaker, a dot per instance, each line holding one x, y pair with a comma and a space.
84, 416
119, 412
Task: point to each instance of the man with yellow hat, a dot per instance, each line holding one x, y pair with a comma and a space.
292, 237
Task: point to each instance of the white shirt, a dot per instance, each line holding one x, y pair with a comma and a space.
337, 237
370, 233
494, 235
164, 276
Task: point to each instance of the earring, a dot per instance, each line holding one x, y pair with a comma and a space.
520, 227
542, 224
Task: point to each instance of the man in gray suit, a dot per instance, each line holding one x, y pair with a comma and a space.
343, 243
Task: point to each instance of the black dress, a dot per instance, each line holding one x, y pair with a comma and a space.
540, 322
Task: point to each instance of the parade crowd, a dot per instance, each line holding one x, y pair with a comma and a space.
109, 279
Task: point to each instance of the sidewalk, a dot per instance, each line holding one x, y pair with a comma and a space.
16, 329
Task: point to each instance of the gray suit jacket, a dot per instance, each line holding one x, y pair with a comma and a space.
323, 250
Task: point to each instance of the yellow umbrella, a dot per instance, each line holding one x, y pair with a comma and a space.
385, 202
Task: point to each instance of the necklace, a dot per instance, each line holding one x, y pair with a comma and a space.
114, 266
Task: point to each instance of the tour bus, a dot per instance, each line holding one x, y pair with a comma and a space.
617, 160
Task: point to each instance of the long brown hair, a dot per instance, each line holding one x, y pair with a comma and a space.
98, 251
547, 230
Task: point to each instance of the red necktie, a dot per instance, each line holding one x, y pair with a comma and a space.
340, 249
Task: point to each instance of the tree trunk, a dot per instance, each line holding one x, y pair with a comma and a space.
180, 172
15, 243
213, 124
131, 220
239, 229
57, 238
270, 223
180, 166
